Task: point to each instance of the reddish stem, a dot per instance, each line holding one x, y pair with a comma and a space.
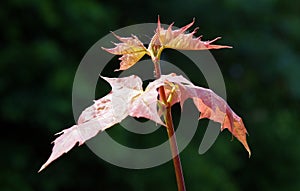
171, 133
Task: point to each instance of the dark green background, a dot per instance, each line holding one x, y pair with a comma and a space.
43, 42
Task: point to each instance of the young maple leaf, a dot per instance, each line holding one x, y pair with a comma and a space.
178, 39
132, 49
209, 104
128, 98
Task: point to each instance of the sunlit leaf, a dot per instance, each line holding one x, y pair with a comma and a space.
179, 39
126, 98
209, 104
131, 49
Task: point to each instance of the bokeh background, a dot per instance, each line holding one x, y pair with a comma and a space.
43, 42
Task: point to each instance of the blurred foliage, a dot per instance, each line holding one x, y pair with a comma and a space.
42, 43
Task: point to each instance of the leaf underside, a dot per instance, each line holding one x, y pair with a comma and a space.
128, 98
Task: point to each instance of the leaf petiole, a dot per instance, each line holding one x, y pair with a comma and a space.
173, 91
